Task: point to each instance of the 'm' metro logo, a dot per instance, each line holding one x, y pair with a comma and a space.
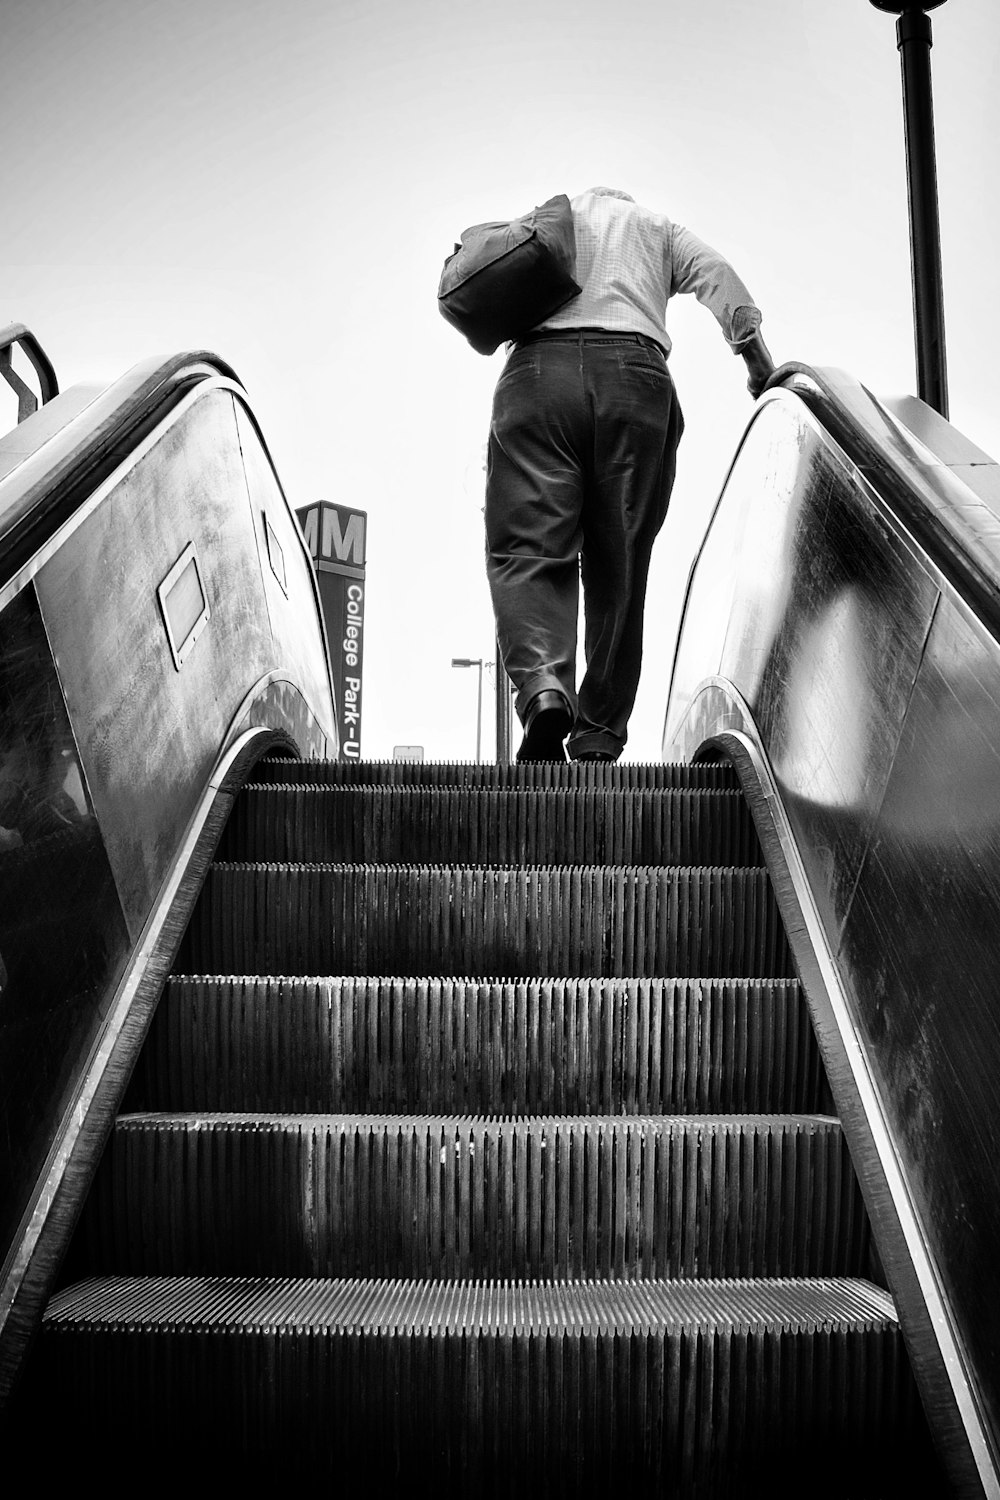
335, 533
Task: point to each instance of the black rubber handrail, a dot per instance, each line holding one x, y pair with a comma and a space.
18, 335
121, 418
917, 499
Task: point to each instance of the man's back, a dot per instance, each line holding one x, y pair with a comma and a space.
630, 261
620, 265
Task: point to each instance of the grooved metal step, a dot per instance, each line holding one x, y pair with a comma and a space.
470, 774
572, 1196
456, 920
537, 1046
431, 825
491, 1389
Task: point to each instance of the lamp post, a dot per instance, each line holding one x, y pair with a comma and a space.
468, 661
914, 41
505, 711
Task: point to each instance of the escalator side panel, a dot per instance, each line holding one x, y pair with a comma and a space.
286, 568
150, 735
63, 940
816, 612
821, 632
921, 944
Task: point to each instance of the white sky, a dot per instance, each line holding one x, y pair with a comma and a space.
280, 184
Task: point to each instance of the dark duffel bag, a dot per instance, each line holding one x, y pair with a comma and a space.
507, 277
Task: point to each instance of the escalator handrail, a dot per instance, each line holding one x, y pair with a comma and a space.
43, 492
19, 334
932, 503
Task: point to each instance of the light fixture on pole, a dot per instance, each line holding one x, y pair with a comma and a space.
477, 661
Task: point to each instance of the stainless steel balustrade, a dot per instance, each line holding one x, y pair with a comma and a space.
840, 641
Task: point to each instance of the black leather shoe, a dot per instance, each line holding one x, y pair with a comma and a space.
603, 756
548, 719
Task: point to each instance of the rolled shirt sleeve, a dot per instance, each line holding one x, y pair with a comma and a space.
695, 267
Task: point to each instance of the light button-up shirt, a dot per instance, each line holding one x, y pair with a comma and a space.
631, 261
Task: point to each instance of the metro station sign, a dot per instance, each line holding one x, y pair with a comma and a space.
336, 536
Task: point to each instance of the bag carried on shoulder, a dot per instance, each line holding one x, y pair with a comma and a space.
507, 277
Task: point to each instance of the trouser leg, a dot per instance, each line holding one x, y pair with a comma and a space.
638, 425
534, 494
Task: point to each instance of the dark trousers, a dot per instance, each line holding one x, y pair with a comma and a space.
582, 452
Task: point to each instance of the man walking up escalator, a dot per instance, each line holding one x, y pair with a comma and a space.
581, 461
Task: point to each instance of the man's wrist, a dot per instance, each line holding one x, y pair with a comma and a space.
759, 363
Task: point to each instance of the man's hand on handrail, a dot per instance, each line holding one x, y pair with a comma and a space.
759, 364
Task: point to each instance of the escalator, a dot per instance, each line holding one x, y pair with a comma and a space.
492, 1130
373, 1220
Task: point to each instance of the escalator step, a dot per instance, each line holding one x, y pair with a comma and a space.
549, 1046
348, 1195
428, 825
717, 774
410, 920
493, 1389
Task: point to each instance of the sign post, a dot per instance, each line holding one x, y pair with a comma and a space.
336, 537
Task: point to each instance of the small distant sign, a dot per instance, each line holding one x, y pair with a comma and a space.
407, 752
336, 537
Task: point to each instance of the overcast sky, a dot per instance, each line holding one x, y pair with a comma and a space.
280, 184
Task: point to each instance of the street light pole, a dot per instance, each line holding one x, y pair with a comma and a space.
468, 661
914, 41
505, 712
